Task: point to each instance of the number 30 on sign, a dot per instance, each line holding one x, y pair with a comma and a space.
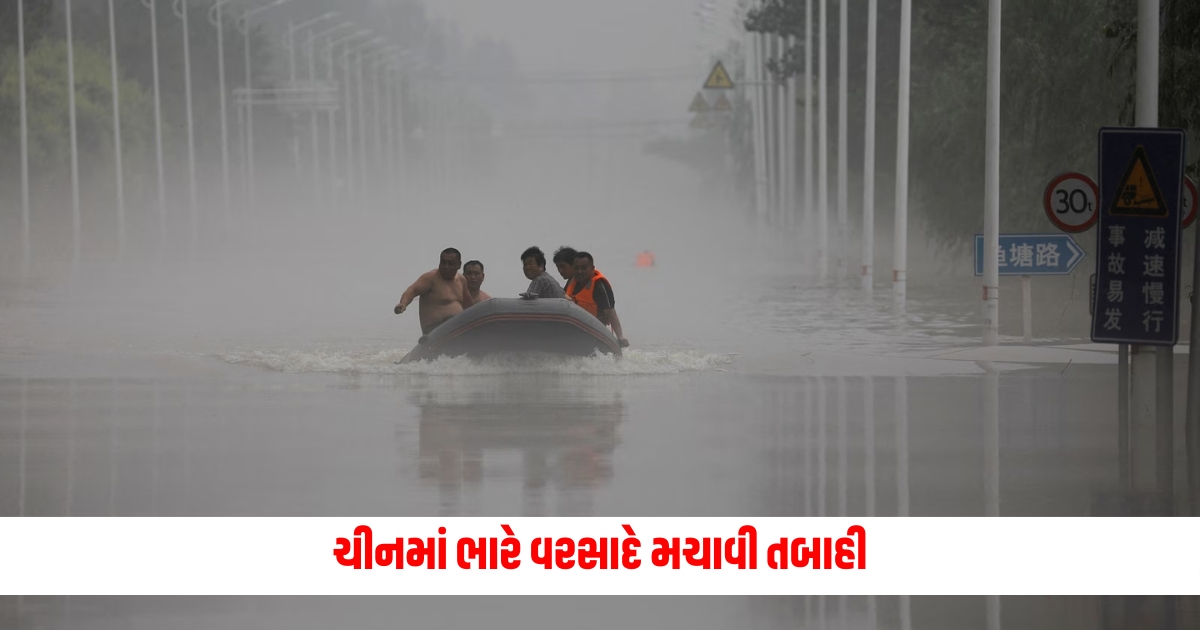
1070, 202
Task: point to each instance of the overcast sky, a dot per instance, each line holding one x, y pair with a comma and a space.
570, 37
588, 35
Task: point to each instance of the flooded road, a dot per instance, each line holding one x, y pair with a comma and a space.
783, 402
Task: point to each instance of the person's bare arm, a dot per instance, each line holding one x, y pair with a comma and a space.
422, 286
610, 317
467, 300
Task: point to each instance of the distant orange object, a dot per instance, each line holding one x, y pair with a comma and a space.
645, 259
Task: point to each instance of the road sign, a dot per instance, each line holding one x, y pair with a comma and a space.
1070, 202
1137, 260
699, 104
723, 104
1189, 201
1033, 254
718, 79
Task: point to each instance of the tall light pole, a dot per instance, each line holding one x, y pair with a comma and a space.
350, 50
313, 36
808, 116
181, 11
26, 244
158, 144
868, 252
216, 19
76, 215
900, 231
116, 96
823, 149
991, 203
316, 139
843, 229
329, 68
244, 26
290, 44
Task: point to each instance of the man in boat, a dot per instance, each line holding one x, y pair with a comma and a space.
592, 291
473, 272
541, 284
443, 292
564, 259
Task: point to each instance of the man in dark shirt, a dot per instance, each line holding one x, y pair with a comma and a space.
564, 259
592, 291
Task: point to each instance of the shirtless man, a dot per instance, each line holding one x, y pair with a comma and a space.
473, 272
443, 292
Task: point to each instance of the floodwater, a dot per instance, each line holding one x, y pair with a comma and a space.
213, 391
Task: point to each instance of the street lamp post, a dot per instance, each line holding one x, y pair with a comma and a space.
316, 139
181, 11
215, 18
312, 55
26, 248
158, 145
116, 95
76, 217
290, 44
350, 50
329, 69
244, 26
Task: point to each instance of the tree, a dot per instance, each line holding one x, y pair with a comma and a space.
1179, 66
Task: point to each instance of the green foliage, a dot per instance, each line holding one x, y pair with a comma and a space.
48, 108
1179, 66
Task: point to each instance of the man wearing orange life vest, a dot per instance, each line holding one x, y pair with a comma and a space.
592, 291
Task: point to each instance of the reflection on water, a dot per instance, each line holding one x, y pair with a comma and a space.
559, 432
999, 444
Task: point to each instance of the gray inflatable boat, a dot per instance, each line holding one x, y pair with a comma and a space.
555, 326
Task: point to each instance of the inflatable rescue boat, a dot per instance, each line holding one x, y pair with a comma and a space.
554, 326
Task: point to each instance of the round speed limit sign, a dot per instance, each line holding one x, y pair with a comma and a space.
1071, 200
1189, 201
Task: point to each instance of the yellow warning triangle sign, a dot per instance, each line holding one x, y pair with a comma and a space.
699, 105
1139, 194
718, 79
723, 104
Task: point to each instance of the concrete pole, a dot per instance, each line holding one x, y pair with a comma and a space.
991, 202
783, 131
808, 117
823, 149
250, 185
754, 51
349, 179
843, 229
291, 46
76, 215
312, 120
772, 132
181, 11
868, 237
158, 145
793, 145
332, 119
217, 21
378, 134
401, 158
362, 128
389, 133
26, 243
900, 263
116, 96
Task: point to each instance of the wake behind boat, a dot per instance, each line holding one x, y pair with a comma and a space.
554, 326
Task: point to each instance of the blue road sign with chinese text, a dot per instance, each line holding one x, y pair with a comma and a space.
1032, 254
1137, 259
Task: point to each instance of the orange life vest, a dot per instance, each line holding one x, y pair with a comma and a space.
585, 296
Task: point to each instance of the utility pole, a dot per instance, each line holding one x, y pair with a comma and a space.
991, 206
158, 145
868, 278
26, 242
900, 232
76, 215
214, 17
823, 148
808, 116
843, 229
116, 96
181, 11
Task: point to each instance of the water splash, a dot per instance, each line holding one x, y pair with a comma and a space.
333, 360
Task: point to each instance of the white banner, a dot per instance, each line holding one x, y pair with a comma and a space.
600, 556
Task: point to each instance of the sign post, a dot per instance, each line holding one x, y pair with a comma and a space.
1137, 267
1028, 255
